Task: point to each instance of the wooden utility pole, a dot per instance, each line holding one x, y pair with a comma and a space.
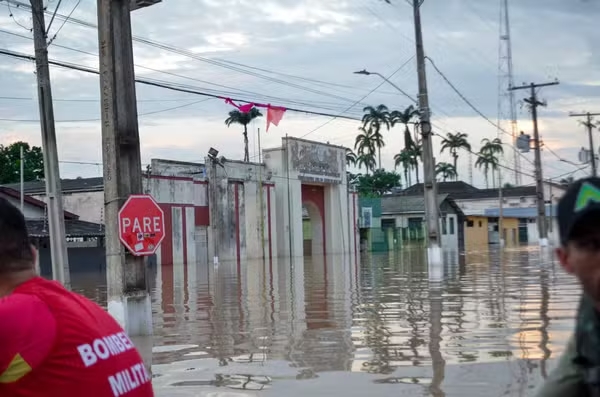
429, 185
590, 126
56, 217
541, 202
127, 286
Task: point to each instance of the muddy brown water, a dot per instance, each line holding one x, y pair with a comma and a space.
340, 326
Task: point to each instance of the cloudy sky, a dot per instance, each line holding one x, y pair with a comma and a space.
302, 54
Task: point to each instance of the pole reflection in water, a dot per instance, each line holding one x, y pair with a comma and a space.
375, 325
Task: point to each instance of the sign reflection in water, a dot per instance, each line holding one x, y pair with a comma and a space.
362, 326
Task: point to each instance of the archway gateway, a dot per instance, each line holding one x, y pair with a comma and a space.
313, 200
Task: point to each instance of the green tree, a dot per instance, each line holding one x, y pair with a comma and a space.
365, 144
416, 153
373, 120
407, 161
378, 184
455, 142
446, 170
404, 118
350, 157
487, 161
237, 117
10, 163
491, 150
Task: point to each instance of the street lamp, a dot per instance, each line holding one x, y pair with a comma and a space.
137, 4
367, 73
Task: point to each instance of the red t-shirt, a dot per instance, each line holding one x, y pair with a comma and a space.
55, 343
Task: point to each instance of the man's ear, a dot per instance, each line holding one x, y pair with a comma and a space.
562, 253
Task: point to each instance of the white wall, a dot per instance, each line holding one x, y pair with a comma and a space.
89, 206
29, 211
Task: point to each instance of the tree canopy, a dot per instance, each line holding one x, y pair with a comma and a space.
10, 166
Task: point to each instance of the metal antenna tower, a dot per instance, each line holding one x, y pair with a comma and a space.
507, 110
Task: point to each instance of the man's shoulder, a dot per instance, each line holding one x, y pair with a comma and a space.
18, 305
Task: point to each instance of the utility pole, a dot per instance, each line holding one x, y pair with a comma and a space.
56, 217
589, 125
430, 186
127, 285
541, 202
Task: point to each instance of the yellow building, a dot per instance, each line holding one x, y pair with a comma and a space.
480, 231
476, 233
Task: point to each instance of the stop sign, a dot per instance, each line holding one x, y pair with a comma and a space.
141, 225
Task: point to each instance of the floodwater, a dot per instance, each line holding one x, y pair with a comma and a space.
378, 326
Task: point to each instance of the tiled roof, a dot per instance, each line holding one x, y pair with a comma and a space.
399, 204
463, 191
31, 201
73, 228
442, 187
68, 186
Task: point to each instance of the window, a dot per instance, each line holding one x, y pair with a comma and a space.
480, 224
444, 226
451, 225
470, 223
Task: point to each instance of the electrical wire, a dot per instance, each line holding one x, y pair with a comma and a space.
91, 120
67, 65
64, 21
236, 91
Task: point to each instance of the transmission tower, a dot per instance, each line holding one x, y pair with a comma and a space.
507, 111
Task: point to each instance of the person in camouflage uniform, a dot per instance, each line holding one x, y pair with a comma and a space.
578, 370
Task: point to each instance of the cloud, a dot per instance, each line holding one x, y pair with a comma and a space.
302, 54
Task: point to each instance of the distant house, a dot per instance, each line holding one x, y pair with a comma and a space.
81, 196
391, 221
482, 225
84, 239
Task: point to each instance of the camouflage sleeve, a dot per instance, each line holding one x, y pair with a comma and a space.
566, 379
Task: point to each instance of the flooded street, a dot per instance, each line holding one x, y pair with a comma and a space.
334, 327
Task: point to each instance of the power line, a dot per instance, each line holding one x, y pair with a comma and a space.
90, 120
66, 65
460, 94
64, 21
235, 91
191, 55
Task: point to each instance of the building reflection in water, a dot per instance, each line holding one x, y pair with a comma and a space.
381, 315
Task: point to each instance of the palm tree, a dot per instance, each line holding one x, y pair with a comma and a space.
487, 161
237, 117
374, 119
406, 160
494, 149
454, 142
350, 157
367, 160
405, 118
367, 141
447, 170
494, 146
416, 153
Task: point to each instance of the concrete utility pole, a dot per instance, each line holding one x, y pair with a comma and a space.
541, 202
56, 217
429, 185
127, 285
589, 125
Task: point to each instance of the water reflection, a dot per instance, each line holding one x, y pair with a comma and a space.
348, 327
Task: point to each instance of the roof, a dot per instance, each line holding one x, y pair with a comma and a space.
402, 204
32, 201
523, 212
442, 187
460, 190
68, 186
73, 228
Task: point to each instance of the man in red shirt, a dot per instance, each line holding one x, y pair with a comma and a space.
55, 343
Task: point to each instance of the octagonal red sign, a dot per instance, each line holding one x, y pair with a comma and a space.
141, 225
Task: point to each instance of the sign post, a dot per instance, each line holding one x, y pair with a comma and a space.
141, 225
